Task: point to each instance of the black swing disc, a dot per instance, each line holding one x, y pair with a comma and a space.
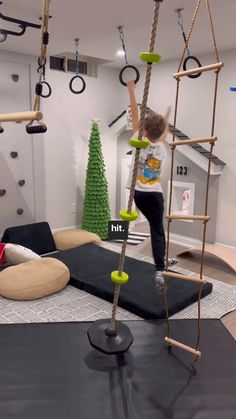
109, 342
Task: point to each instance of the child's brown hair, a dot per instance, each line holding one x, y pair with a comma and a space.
154, 125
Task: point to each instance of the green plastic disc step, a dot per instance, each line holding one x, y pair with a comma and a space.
140, 144
119, 279
126, 216
149, 57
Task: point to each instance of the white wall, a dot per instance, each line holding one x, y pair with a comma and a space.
60, 155
66, 142
194, 119
37, 142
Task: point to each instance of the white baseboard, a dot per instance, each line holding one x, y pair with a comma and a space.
226, 245
191, 242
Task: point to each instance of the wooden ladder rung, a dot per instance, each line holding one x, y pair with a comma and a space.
192, 278
180, 345
21, 116
188, 217
210, 140
216, 66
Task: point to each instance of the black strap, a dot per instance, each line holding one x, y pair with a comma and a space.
36, 129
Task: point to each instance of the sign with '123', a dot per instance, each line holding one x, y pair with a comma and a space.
182, 170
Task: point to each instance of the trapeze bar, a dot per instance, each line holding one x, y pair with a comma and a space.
184, 277
210, 140
21, 116
188, 217
180, 345
197, 70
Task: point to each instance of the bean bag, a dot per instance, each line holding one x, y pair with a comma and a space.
34, 279
68, 239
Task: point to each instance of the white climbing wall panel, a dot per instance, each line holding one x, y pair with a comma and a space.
15, 97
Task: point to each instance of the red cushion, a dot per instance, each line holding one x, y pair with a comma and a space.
2, 249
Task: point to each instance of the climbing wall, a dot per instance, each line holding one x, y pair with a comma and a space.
16, 149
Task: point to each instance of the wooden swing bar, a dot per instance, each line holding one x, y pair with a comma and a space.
216, 66
21, 116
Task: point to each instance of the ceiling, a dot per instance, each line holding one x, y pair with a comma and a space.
95, 22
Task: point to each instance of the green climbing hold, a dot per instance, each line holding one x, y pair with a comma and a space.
149, 57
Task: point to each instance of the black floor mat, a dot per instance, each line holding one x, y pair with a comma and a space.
91, 266
49, 371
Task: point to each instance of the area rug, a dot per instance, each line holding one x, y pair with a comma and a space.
73, 304
135, 238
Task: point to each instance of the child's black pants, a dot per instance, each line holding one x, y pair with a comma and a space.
151, 204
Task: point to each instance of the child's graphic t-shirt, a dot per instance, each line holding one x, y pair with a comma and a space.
149, 168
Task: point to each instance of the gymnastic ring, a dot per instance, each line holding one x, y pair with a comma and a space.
191, 57
77, 92
125, 68
49, 89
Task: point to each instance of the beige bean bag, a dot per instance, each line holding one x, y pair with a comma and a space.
34, 279
68, 239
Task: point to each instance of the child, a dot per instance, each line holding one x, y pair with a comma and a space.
148, 195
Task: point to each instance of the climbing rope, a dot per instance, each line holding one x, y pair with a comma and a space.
197, 353
42, 60
137, 153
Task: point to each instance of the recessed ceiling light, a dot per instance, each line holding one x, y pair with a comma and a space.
120, 53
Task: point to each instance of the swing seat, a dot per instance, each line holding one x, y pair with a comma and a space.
21, 116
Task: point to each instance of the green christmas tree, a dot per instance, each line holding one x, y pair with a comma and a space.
96, 212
